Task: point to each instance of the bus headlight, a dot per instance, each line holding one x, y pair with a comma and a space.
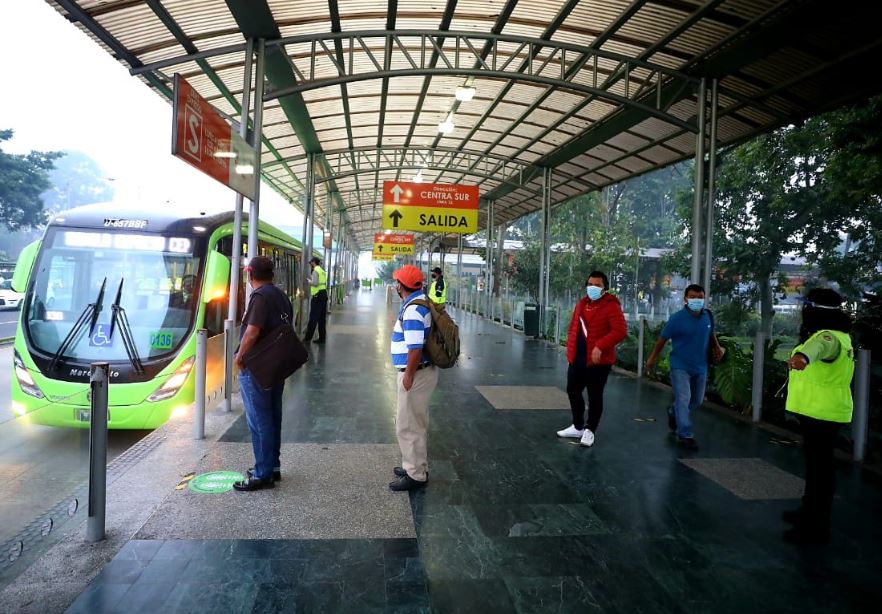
173, 384
25, 381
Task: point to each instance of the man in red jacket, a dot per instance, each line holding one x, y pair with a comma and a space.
597, 327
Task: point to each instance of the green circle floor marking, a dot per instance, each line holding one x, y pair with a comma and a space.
215, 482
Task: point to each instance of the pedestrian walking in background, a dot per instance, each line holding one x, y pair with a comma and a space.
597, 327
691, 333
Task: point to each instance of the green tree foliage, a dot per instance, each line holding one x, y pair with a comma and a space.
852, 140
802, 190
22, 179
603, 231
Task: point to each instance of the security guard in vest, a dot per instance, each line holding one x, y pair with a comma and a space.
438, 289
318, 302
819, 393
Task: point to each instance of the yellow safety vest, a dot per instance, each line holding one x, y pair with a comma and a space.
823, 389
433, 295
323, 281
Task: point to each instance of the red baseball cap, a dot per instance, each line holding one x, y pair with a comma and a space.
409, 276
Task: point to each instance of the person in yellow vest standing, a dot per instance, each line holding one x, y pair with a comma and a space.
438, 289
819, 393
318, 302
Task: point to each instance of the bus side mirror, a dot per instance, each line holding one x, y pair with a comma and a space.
23, 266
217, 277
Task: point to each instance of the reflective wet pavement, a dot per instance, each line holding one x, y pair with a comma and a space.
513, 518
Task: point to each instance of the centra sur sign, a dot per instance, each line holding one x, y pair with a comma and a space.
453, 221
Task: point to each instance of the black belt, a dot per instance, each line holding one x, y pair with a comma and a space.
421, 366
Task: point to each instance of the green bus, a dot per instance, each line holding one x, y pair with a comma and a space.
128, 287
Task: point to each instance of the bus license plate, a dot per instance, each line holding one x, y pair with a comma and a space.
85, 415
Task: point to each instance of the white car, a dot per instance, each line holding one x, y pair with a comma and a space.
9, 298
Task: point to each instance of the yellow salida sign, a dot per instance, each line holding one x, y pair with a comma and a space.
430, 207
430, 219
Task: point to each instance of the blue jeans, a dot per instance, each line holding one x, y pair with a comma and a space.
688, 394
263, 413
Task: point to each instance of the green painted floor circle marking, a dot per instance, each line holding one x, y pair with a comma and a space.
215, 482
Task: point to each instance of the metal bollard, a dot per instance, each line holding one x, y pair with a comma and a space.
229, 327
641, 326
861, 404
759, 358
98, 383
201, 366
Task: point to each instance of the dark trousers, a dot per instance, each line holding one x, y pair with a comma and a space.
580, 377
318, 315
818, 440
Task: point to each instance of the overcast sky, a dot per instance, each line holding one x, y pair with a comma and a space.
62, 91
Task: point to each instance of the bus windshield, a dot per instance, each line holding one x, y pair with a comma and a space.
159, 293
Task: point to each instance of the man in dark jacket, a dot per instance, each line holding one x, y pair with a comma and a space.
267, 308
597, 327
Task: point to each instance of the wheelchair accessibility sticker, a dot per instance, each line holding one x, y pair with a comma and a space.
101, 336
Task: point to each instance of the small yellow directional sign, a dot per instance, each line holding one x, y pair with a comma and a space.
430, 207
392, 244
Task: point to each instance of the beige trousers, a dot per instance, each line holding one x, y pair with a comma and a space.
412, 421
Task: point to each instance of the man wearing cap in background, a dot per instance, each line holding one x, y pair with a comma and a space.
438, 289
416, 379
318, 303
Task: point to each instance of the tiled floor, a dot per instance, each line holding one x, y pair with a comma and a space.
514, 519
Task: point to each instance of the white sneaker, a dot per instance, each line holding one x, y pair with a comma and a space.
571, 431
587, 438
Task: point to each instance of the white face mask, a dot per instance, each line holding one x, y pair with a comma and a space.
593, 292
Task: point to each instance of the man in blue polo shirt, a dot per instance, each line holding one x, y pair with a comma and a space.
691, 333
417, 379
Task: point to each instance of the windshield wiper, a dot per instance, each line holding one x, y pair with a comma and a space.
125, 331
90, 314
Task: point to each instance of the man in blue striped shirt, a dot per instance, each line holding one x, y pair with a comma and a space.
416, 379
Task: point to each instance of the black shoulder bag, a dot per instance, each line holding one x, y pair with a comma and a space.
279, 354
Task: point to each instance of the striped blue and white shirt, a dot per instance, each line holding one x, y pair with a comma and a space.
417, 322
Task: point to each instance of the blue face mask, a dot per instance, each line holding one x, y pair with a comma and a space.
695, 304
594, 292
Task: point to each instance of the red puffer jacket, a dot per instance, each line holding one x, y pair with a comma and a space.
606, 328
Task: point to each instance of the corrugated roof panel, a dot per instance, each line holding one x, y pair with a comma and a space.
699, 38
200, 17
285, 10
747, 9
136, 27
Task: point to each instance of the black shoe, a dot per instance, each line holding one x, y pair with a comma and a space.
277, 474
406, 483
792, 516
672, 422
400, 472
687, 443
318, 340
800, 536
253, 484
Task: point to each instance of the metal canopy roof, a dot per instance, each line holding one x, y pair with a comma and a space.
597, 90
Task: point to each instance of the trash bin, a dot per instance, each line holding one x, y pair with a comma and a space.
531, 319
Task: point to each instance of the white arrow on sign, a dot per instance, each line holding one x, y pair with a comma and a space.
396, 192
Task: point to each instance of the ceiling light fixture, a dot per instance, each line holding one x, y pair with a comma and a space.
447, 126
465, 93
